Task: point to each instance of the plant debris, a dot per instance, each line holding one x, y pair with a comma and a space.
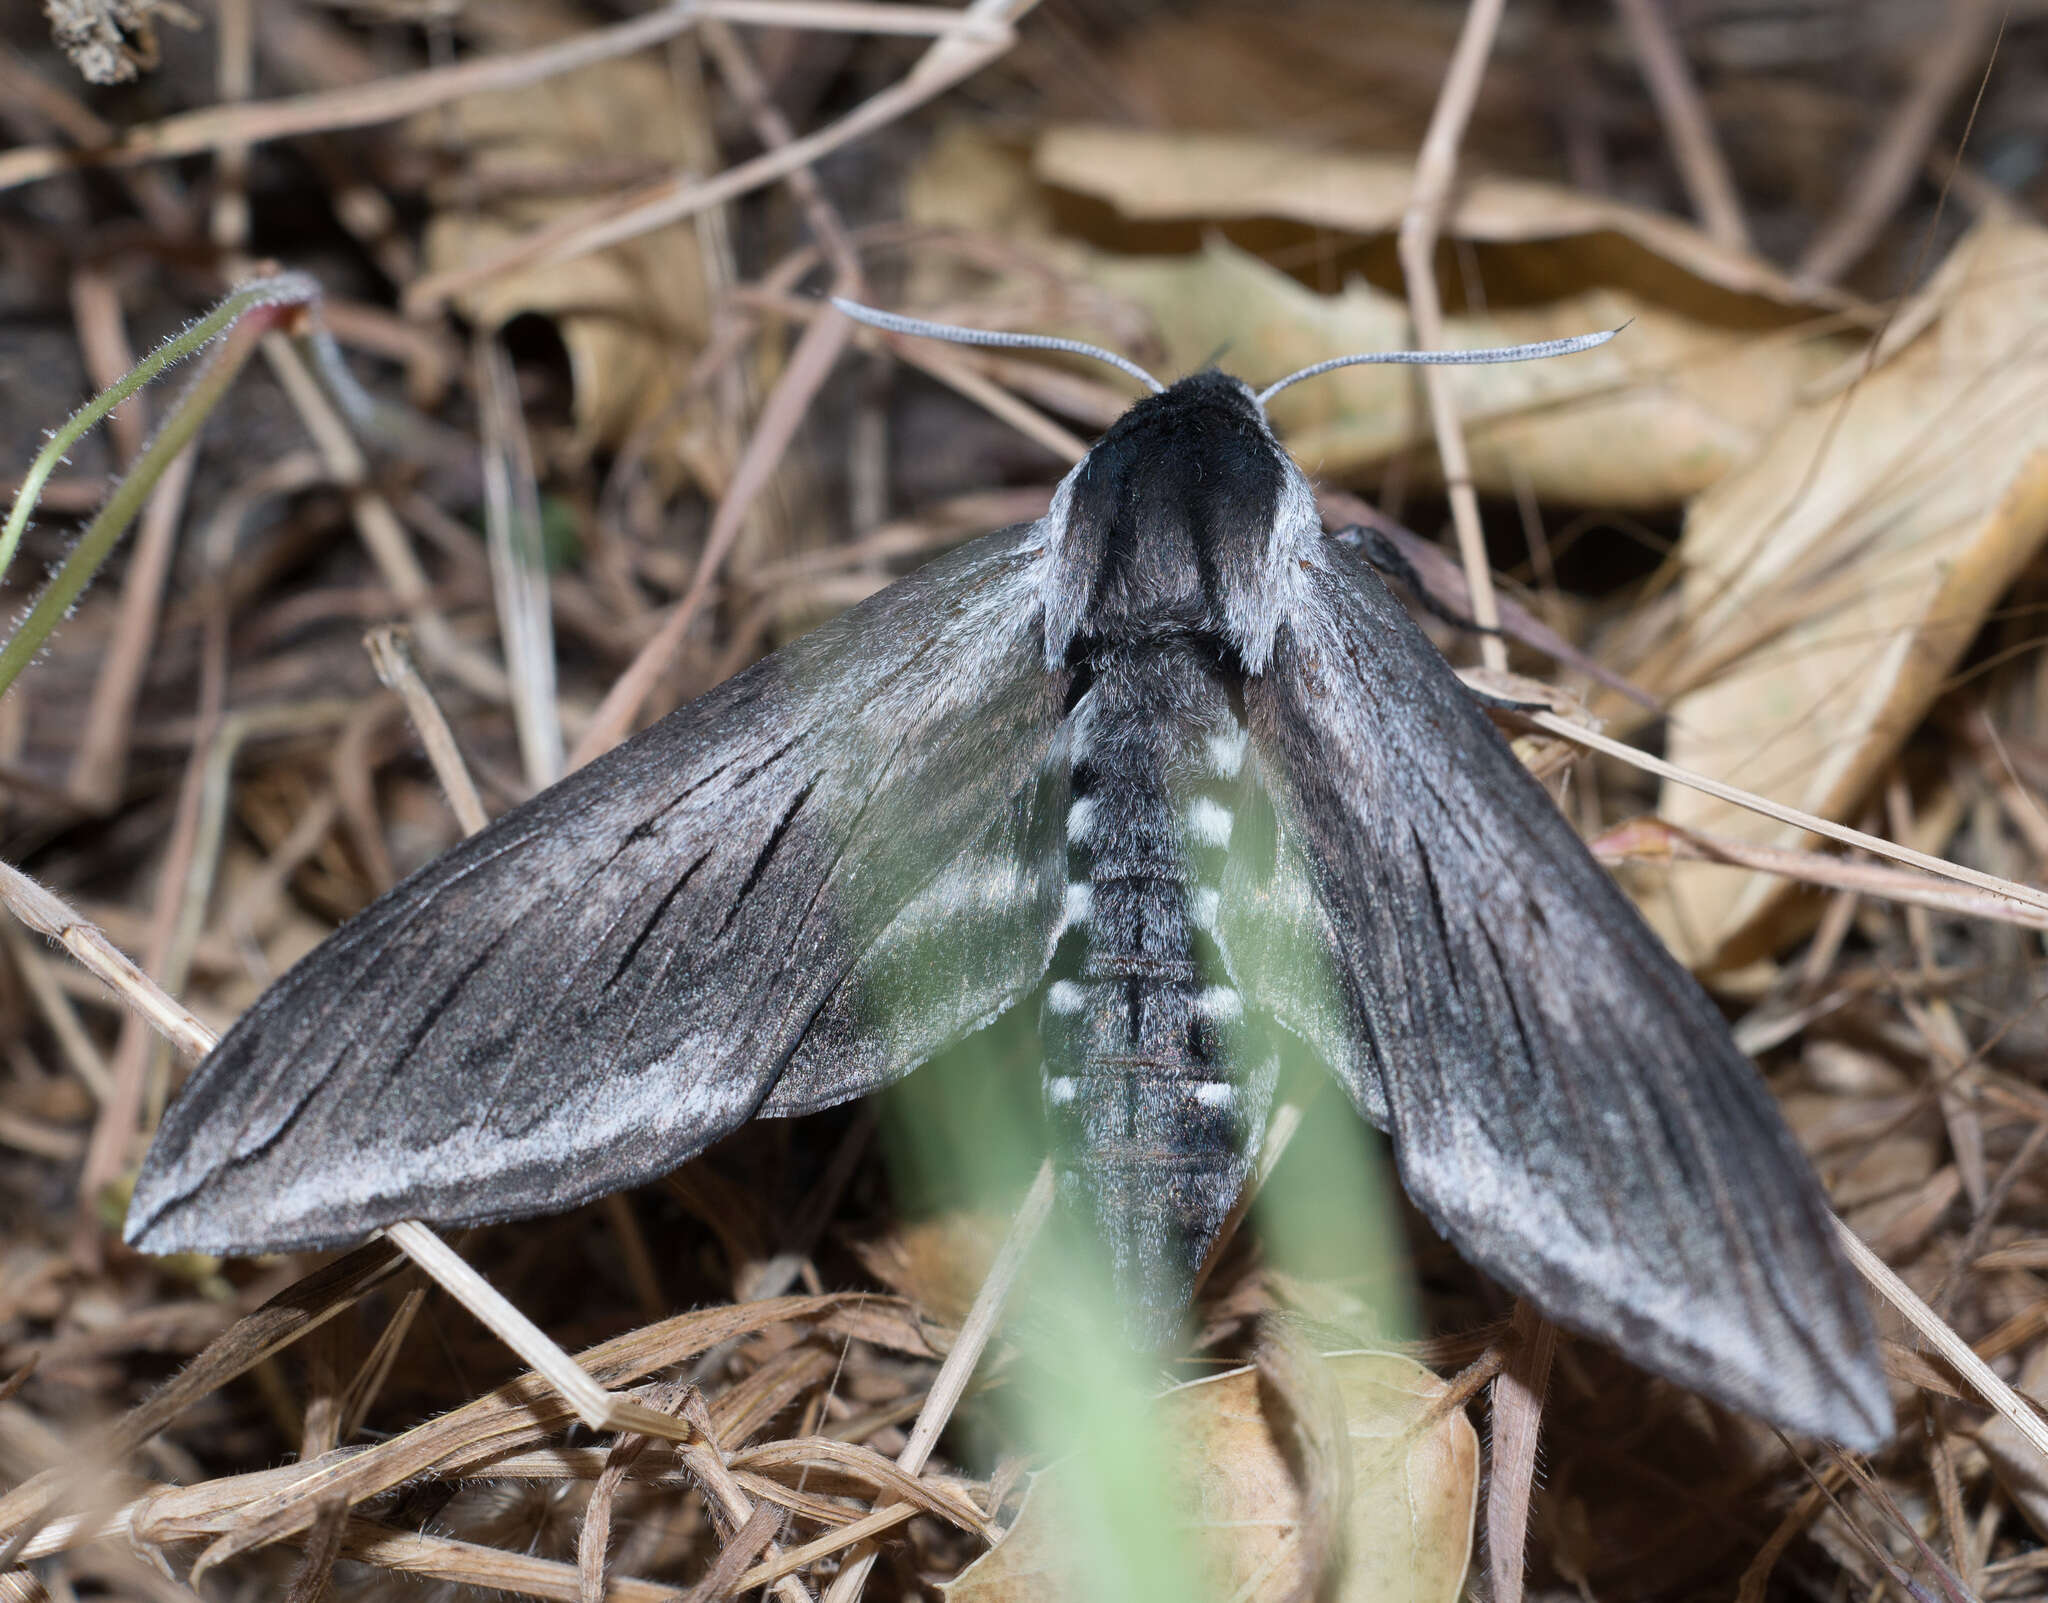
594, 444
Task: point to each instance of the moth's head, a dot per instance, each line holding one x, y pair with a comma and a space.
1188, 515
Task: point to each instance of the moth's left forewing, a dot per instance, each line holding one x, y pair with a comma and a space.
975, 936
615, 974
1564, 1102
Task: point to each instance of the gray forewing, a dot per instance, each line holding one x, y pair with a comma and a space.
615, 974
1565, 1103
962, 950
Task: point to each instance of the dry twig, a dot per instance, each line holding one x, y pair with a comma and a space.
1517, 1418
1874, 194
1686, 126
1436, 168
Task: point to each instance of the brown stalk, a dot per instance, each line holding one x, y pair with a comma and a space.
731, 1508
1937, 1333
593, 1540
103, 342
1651, 839
324, 1354
119, 1122
235, 81
1517, 1417
510, 1418
1436, 167
391, 653
519, 575
44, 912
736, 67
80, 1052
958, 1369
1686, 125
268, 1329
99, 764
390, 99
2011, 890
24, 91
816, 352
381, 533
747, 1544
951, 59
1906, 133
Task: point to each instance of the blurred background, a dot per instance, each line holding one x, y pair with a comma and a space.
598, 445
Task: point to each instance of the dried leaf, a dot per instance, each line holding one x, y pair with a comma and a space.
2014, 1460
1833, 582
1311, 70
1405, 1538
1655, 416
1708, 367
1150, 177
936, 1264
630, 317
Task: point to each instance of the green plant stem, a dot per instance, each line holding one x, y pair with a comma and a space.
100, 537
284, 289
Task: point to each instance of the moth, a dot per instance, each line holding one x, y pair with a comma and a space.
1169, 765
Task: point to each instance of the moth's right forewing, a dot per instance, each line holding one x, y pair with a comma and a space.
615, 974
1564, 1101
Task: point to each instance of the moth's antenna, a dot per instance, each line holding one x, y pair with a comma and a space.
984, 336
1496, 353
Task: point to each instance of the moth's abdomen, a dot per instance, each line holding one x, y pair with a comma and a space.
1154, 1106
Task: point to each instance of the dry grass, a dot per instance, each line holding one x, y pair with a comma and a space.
207, 770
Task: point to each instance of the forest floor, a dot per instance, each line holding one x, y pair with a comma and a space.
605, 445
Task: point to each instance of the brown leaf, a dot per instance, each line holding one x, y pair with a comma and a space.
1149, 176
630, 317
1406, 1536
936, 1264
1656, 415
1832, 584
2013, 1459
1696, 384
